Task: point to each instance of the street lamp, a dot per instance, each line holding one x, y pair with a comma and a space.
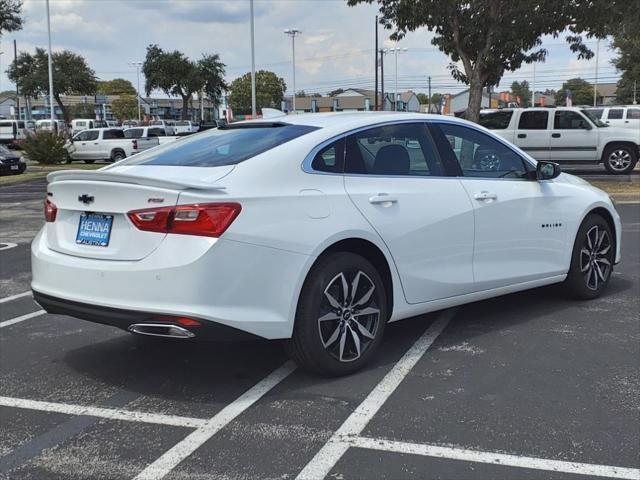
52, 114
396, 51
293, 32
137, 64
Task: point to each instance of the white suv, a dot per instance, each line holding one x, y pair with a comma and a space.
566, 134
618, 115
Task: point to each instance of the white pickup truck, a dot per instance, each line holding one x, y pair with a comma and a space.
160, 133
106, 144
566, 134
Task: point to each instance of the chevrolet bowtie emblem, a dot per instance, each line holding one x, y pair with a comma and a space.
86, 199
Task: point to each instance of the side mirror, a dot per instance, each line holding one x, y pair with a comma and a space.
547, 170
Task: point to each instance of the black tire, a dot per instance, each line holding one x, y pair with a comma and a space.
117, 156
89, 161
620, 159
586, 279
314, 345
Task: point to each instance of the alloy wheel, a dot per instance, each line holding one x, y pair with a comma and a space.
595, 257
619, 159
349, 316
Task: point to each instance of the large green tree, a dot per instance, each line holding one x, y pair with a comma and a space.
117, 86
10, 19
521, 89
269, 92
175, 74
125, 107
486, 38
71, 76
627, 45
581, 92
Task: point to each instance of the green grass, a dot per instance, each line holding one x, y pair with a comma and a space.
39, 171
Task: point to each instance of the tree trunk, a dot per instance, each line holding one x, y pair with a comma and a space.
475, 99
185, 106
65, 111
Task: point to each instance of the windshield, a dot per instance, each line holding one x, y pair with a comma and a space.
215, 148
594, 119
182, 124
133, 133
4, 150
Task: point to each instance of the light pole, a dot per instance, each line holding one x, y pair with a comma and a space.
52, 115
595, 85
253, 66
293, 32
396, 51
138, 64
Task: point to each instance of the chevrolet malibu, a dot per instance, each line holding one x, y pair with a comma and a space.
318, 229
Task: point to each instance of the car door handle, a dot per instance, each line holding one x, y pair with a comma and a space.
522, 135
555, 135
484, 195
382, 198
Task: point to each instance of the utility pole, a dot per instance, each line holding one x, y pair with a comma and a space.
376, 62
595, 86
635, 87
52, 115
15, 59
138, 64
429, 102
292, 32
533, 87
382, 77
253, 67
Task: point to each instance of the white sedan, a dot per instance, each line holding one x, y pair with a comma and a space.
318, 229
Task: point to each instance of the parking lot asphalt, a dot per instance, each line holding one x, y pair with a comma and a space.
526, 386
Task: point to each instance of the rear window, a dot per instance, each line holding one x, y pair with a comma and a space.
215, 148
496, 120
81, 124
133, 133
182, 124
156, 122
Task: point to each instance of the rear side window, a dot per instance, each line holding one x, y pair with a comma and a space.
633, 114
111, 134
330, 158
133, 133
402, 149
81, 124
156, 132
215, 148
533, 120
615, 114
496, 120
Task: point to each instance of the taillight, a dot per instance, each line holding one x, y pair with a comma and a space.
50, 211
203, 219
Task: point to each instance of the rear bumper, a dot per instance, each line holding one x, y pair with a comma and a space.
239, 285
124, 319
5, 169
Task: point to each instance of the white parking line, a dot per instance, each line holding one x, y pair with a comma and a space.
170, 459
109, 413
502, 459
15, 297
22, 318
333, 450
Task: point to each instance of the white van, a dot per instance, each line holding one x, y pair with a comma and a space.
185, 126
80, 124
168, 125
45, 125
625, 116
13, 132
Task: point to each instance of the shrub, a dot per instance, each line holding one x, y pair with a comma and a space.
45, 148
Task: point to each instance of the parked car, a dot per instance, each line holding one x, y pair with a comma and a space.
80, 124
316, 229
566, 134
150, 132
167, 124
112, 124
618, 116
185, 126
58, 126
129, 123
212, 124
11, 163
13, 132
106, 144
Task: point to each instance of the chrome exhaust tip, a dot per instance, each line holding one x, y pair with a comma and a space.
161, 330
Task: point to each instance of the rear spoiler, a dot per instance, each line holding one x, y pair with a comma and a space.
103, 176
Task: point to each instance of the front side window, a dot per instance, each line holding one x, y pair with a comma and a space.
533, 120
496, 120
569, 120
330, 158
479, 155
615, 114
219, 147
87, 135
401, 149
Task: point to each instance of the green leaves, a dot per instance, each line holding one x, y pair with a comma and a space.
125, 107
581, 90
117, 86
10, 20
45, 148
269, 92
